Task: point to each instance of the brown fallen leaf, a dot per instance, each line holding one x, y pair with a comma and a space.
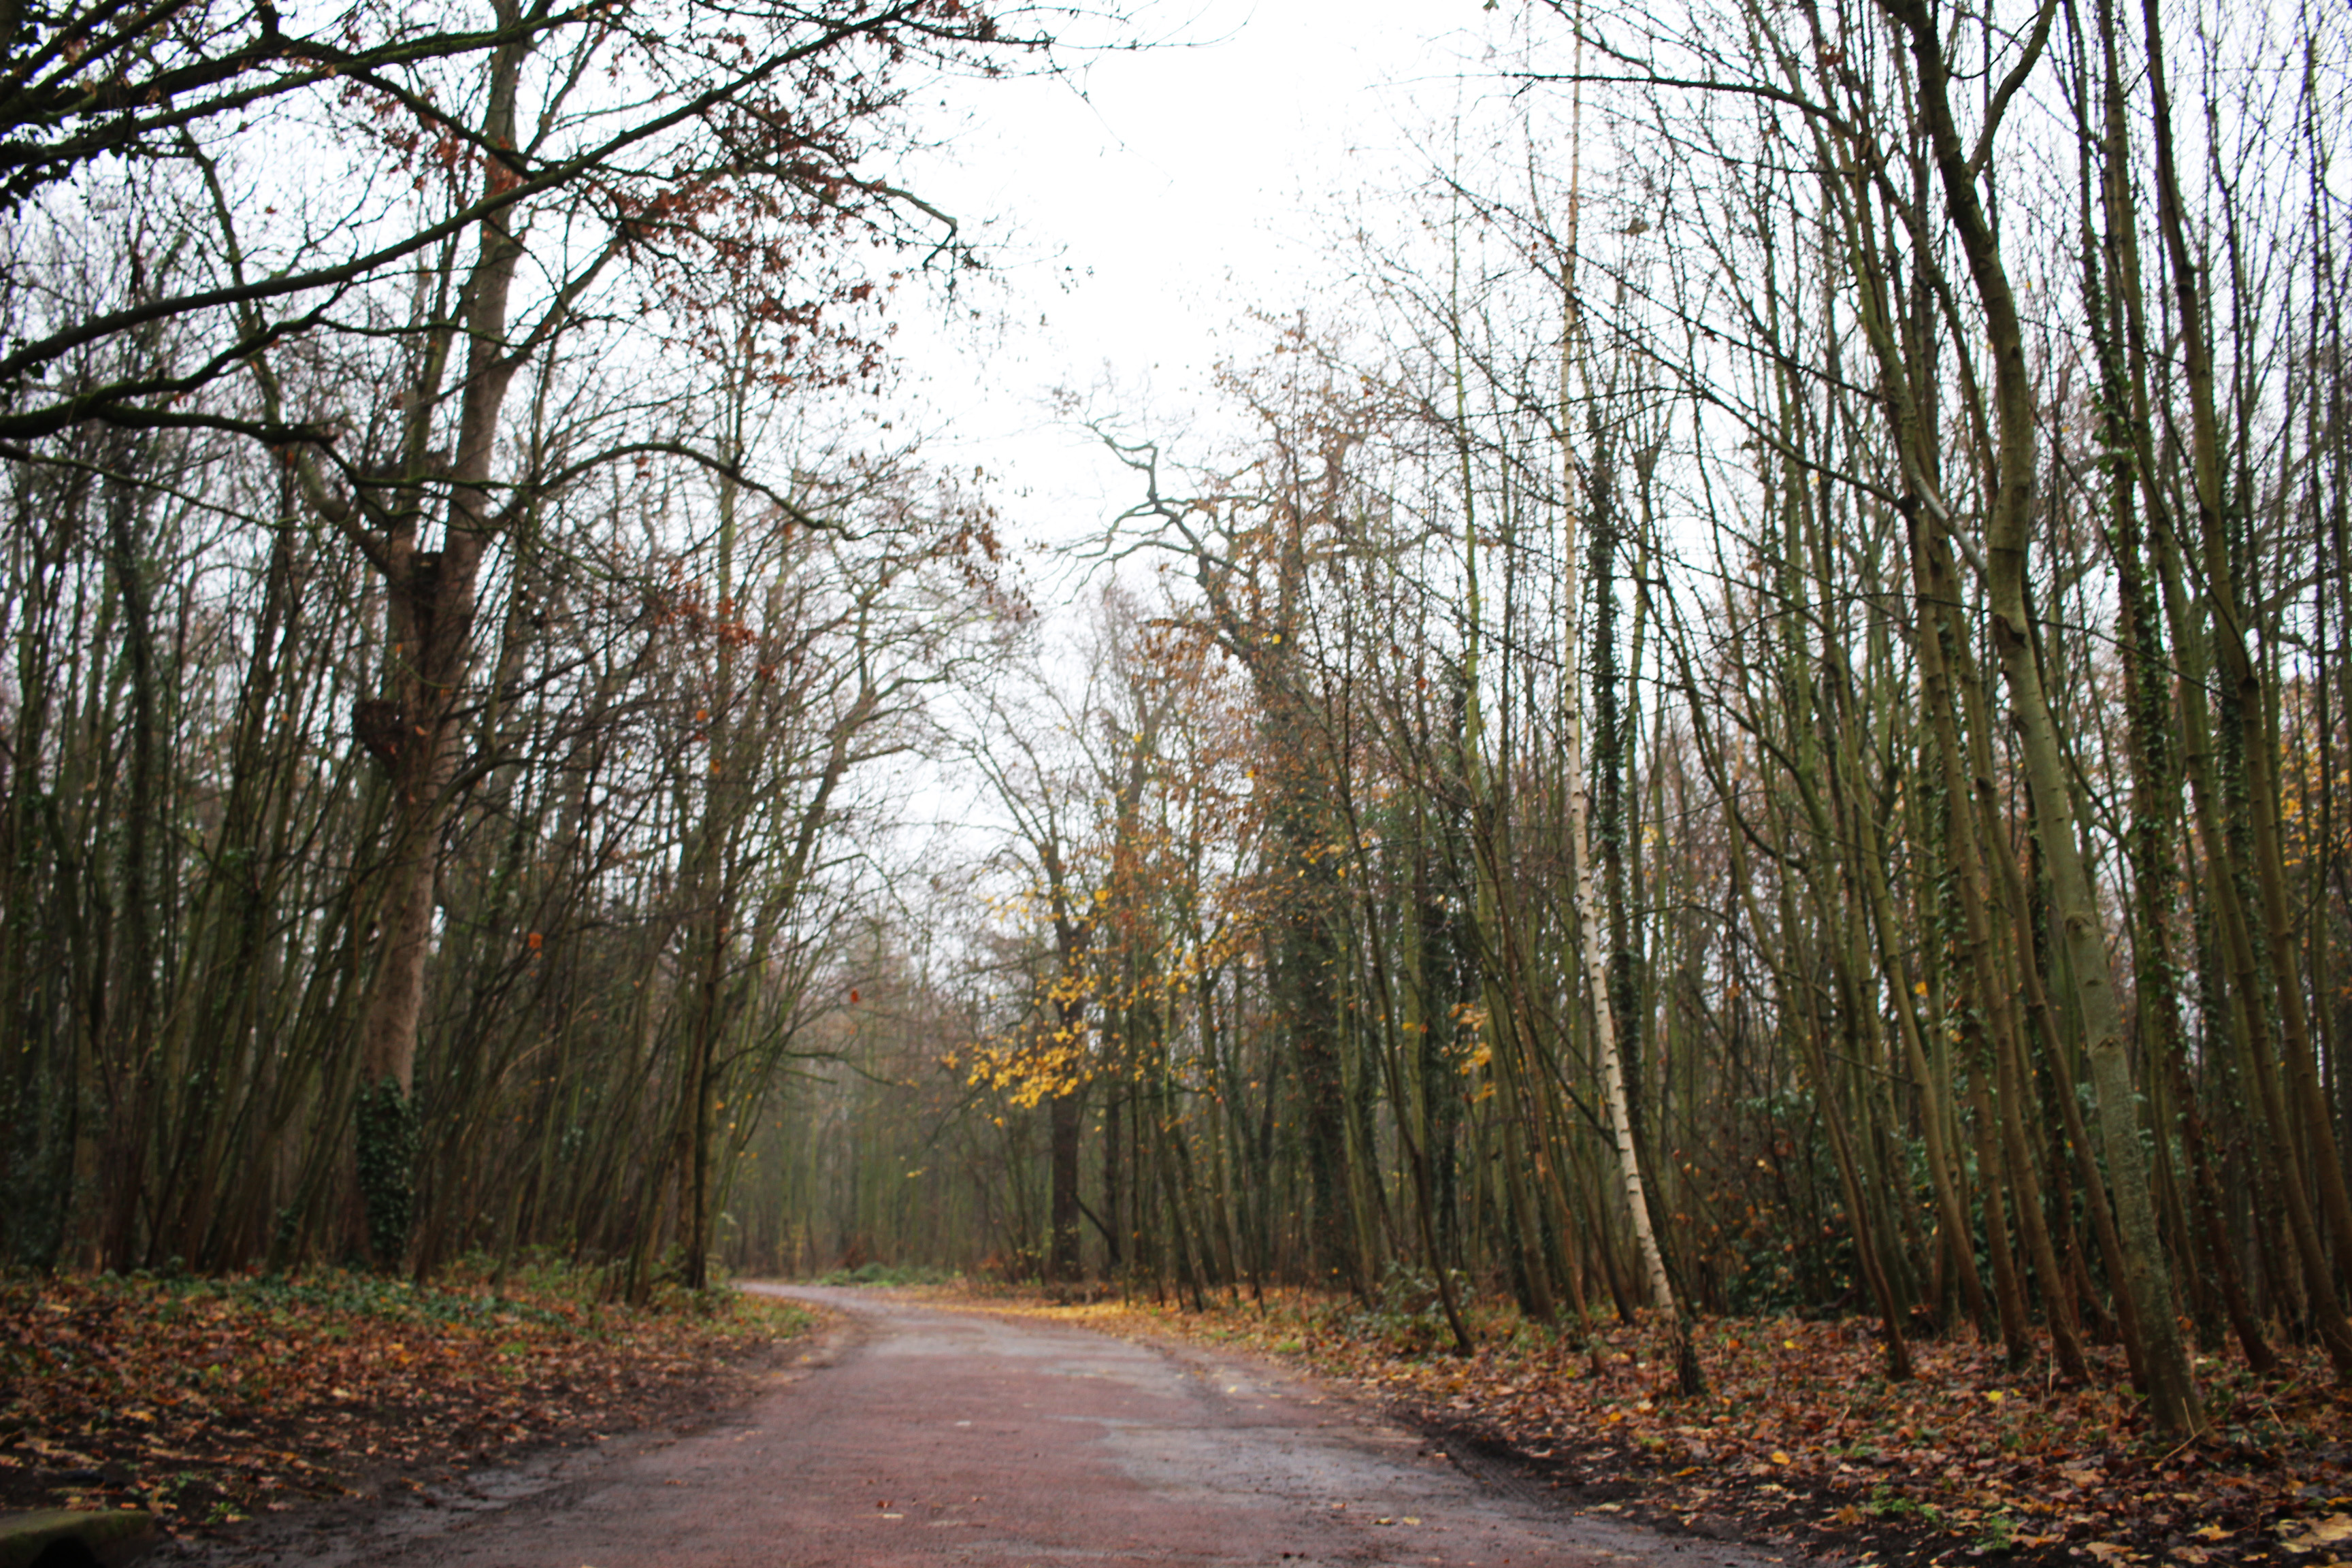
2309, 1535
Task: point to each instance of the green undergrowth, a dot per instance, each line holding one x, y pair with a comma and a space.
476, 1292
889, 1275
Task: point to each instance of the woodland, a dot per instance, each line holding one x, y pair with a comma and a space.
1741, 718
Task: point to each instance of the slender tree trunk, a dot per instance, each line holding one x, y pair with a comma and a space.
1593, 962
2172, 1390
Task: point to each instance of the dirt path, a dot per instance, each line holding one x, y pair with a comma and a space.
916, 1435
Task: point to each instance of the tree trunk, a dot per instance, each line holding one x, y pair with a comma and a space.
2172, 1390
414, 728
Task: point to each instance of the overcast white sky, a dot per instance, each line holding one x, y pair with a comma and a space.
1148, 200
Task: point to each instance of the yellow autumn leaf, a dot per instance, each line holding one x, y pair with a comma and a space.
2311, 1535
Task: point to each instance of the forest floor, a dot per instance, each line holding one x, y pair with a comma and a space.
211, 1401
1801, 1443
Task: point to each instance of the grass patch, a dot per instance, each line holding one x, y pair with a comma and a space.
890, 1274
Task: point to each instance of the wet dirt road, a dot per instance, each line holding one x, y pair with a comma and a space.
916, 1437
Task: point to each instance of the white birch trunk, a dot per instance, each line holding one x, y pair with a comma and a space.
1592, 954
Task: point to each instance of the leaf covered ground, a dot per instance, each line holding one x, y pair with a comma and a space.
212, 1400
1801, 1443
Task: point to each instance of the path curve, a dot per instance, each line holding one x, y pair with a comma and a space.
916, 1435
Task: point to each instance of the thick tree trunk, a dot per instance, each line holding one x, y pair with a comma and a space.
414, 728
